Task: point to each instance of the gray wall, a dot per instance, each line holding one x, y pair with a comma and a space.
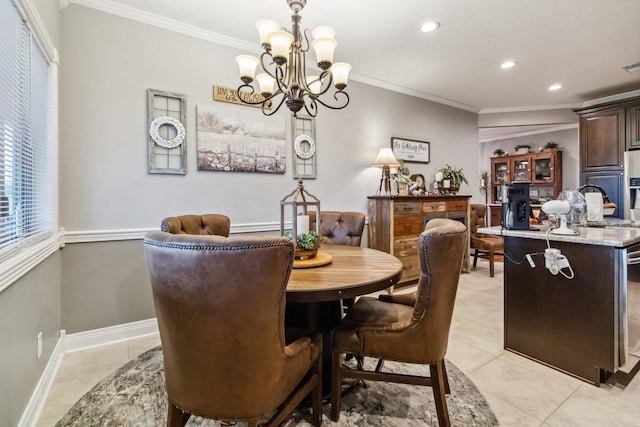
107, 64
568, 141
27, 307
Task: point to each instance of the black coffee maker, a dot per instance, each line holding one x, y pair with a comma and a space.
515, 206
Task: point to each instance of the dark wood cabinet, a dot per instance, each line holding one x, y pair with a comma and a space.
543, 170
612, 182
633, 120
606, 131
395, 222
602, 139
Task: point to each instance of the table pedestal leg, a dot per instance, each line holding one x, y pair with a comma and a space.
317, 317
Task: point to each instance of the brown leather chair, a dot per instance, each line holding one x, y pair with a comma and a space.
197, 224
486, 246
341, 228
220, 306
410, 328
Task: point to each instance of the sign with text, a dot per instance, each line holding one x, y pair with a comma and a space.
228, 94
410, 150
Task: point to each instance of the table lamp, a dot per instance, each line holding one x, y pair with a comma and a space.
385, 159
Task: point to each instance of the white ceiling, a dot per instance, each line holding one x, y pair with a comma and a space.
580, 43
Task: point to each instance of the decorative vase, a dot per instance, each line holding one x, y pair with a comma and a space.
403, 189
302, 254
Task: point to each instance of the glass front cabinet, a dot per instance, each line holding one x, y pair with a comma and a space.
542, 169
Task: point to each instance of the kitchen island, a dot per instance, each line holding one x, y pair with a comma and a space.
583, 320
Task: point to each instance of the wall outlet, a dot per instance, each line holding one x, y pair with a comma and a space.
39, 344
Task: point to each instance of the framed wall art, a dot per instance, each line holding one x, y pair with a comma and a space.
410, 150
240, 141
166, 133
303, 131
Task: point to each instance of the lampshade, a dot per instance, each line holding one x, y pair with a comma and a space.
266, 83
340, 72
386, 158
265, 28
314, 84
322, 32
247, 64
280, 44
324, 48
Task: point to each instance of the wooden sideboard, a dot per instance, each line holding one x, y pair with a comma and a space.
395, 222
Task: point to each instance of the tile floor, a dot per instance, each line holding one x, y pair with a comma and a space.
521, 392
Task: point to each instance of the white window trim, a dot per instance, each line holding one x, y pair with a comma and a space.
27, 258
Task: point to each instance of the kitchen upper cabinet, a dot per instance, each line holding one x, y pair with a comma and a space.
633, 120
602, 139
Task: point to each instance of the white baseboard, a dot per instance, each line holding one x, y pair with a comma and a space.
32, 412
76, 342
110, 335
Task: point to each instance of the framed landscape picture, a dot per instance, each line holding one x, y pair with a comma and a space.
410, 150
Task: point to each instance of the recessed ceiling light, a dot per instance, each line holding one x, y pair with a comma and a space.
555, 86
427, 27
508, 64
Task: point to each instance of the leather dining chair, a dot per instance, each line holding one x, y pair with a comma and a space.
220, 306
197, 224
341, 228
409, 328
485, 246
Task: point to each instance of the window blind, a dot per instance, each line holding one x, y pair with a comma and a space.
26, 190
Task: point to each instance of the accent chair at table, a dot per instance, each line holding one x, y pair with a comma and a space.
197, 224
410, 328
485, 246
220, 305
341, 228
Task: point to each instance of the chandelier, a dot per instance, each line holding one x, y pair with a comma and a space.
284, 78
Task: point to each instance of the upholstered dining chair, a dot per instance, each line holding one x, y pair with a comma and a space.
341, 228
197, 224
485, 246
220, 306
410, 328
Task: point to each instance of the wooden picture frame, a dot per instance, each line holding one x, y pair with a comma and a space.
410, 150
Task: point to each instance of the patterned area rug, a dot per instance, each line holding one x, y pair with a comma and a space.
135, 396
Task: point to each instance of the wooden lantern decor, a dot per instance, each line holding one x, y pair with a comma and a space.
304, 208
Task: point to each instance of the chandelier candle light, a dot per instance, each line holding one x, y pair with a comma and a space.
283, 64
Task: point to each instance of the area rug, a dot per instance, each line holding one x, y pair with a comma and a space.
134, 395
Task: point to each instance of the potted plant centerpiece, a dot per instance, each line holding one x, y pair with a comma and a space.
403, 182
498, 152
550, 146
307, 244
452, 178
522, 148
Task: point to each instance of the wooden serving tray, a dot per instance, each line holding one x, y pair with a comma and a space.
317, 261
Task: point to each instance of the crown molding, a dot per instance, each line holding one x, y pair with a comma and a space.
144, 17
533, 132
530, 108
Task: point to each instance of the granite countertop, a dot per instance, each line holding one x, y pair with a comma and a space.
616, 233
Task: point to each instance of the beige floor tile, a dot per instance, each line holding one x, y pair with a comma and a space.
582, 410
509, 415
535, 389
482, 335
467, 357
78, 373
140, 345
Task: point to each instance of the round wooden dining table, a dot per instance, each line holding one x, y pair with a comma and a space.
314, 294
353, 271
